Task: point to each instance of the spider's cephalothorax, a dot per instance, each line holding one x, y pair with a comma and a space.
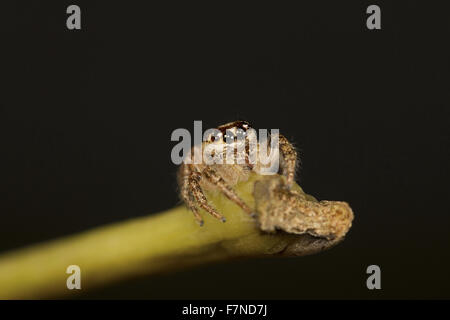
195, 178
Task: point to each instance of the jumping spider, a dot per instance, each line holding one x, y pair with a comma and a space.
193, 178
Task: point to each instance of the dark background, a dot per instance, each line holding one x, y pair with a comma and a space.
86, 118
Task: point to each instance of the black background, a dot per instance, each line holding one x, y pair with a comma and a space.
86, 118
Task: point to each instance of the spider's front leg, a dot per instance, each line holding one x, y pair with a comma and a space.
289, 160
196, 190
228, 191
185, 191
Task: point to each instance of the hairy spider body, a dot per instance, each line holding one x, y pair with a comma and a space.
221, 175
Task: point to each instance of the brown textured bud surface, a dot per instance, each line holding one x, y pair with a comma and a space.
294, 212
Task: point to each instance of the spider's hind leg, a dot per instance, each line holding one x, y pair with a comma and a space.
289, 162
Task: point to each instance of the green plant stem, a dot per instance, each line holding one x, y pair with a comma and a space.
160, 242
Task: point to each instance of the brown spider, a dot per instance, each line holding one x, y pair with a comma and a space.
194, 178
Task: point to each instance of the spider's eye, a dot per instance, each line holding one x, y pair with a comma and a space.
229, 136
241, 134
244, 126
215, 137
